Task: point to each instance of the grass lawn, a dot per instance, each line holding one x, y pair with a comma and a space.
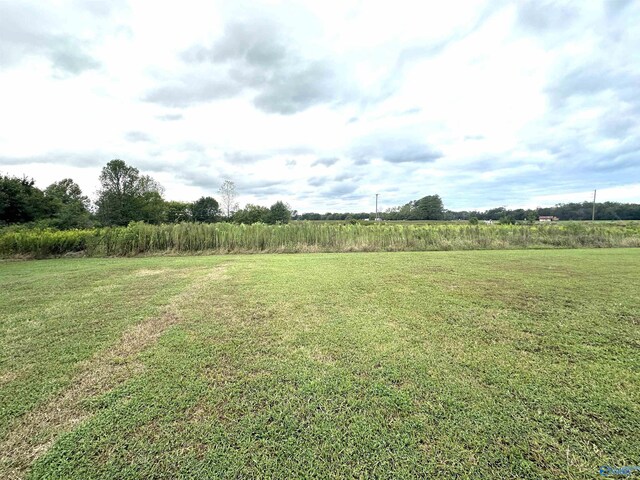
490, 364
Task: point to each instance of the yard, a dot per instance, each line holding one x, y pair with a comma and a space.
478, 364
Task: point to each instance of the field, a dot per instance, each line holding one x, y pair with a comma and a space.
484, 364
305, 237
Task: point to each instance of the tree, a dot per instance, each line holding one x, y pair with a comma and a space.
20, 200
279, 213
251, 214
228, 198
126, 196
430, 208
68, 207
176, 212
532, 216
205, 210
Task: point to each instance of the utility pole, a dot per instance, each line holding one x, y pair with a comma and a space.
593, 211
377, 205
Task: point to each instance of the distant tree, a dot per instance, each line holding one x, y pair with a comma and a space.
473, 220
429, 208
205, 210
127, 196
251, 214
20, 200
279, 213
68, 207
151, 206
176, 212
228, 196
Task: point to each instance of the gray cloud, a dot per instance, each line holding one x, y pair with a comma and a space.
192, 90
317, 181
393, 149
410, 111
170, 117
27, 31
341, 189
327, 162
257, 42
58, 158
253, 55
614, 7
349, 175
192, 147
101, 8
591, 78
541, 16
244, 158
135, 136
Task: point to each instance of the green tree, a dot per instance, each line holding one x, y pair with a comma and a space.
251, 214
20, 200
279, 213
127, 196
532, 216
506, 220
430, 208
176, 212
69, 208
205, 210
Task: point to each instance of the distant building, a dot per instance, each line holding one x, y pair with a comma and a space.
548, 218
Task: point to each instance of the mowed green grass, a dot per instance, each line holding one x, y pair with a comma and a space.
490, 364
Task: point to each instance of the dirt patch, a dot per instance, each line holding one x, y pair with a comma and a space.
32, 435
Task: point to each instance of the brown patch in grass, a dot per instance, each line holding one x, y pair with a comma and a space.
145, 272
33, 434
8, 377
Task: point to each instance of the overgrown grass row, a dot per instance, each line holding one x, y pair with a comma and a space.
140, 238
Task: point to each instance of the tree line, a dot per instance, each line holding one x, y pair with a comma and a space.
125, 196
431, 207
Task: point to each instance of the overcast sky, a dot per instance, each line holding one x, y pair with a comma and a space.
323, 104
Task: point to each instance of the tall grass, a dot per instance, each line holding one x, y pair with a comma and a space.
139, 238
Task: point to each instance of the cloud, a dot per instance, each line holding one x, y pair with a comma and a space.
192, 90
170, 117
591, 78
327, 162
26, 30
244, 158
253, 55
615, 7
491, 104
135, 136
58, 158
341, 189
542, 16
317, 181
394, 149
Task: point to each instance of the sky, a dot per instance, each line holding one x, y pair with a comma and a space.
324, 104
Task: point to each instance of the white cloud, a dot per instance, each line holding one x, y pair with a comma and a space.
486, 103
